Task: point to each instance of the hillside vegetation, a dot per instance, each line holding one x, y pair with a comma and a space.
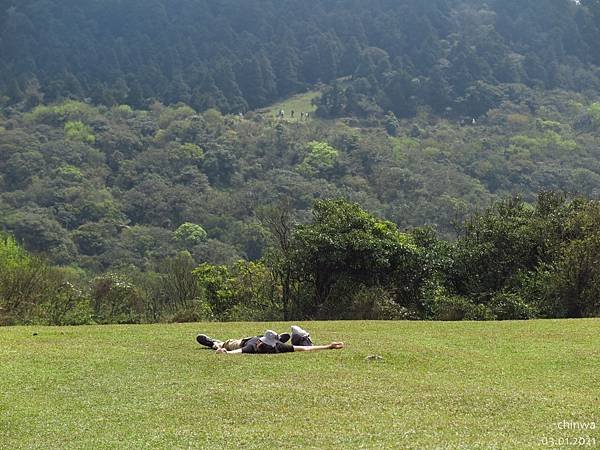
134, 196
451, 55
449, 167
105, 188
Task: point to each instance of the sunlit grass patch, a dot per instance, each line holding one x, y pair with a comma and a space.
300, 103
439, 385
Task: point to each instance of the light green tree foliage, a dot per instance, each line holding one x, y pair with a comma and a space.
33, 292
56, 114
70, 173
320, 158
173, 113
594, 112
182, 156
15, 266
247, 291
124, 110
257, 294
78, 131
214, 281
547, 143
190, 234
12, 255
192, 151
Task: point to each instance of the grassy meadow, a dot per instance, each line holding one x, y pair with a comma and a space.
439, 385
297, 103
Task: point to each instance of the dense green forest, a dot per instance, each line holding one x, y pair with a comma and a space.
171, 214
104, 188
142, 177
513, 261
238, 55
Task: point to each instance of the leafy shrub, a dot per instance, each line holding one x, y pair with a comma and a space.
344, 247
67, 305
115, 299
60, 113
460, 308
479, 312
511, 306
572, 286
200, 311
22, 282
376, 303
190, 234
80, 132
31, 291
12, 255
215, 283
256, 293
246, 292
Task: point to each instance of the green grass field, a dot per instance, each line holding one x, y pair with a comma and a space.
440, 385
297, 103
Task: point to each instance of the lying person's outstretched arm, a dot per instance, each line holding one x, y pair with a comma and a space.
314, 348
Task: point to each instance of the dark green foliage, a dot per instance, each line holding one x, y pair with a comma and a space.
394, 55
511, 306
391, 124
514, 261
568, 285
521, 261
21, 282
448, 110
116, 201
344, 248
459, 308
496, 246
41, 232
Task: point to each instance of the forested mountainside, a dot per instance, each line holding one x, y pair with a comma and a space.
451, 169
104, 188
235, 56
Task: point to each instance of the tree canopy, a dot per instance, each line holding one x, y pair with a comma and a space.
236, 56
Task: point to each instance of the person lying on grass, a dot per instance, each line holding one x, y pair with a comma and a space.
299, 337
270, 342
